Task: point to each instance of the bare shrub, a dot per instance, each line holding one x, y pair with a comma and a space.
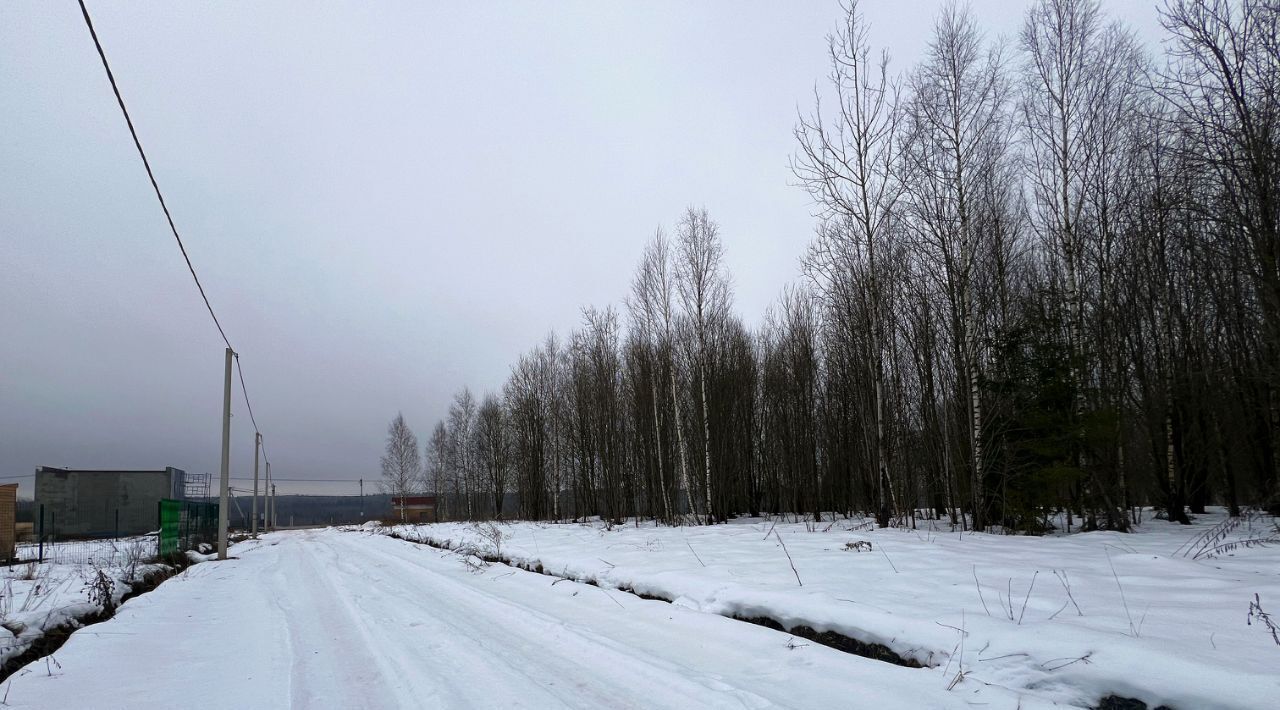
100, 589
134, 555
29, 571
1066, 584
1214, 541
1256, 612
789, 560
491, 534
471, 557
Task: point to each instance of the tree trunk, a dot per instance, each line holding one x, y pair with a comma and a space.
684, 457
657, 443
706, 441
975, 404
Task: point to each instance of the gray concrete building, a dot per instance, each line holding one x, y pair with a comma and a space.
84, 503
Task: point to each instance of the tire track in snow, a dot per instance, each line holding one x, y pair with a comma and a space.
543, 649
327, 619
339, 671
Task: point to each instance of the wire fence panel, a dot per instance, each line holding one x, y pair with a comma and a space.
185, 524
99, 553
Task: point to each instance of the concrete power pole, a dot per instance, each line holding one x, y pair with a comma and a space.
362, 500
274, 521
257, 444
266, 500
226, 459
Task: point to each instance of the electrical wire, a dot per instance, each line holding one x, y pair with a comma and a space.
239, 371
137, 143
150, 174
303, 480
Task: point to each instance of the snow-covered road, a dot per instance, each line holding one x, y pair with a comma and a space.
329, 619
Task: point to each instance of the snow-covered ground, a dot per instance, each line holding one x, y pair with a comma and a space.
1154, 615
358, 619
331, 619
36, 597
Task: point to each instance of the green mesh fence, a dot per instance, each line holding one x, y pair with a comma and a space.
185, 524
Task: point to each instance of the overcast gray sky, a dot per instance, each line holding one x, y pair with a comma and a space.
385, 201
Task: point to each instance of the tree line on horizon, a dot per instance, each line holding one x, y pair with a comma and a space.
1045, 282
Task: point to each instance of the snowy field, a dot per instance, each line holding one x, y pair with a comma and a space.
1160, 615
36, 597
358, 619
332, 619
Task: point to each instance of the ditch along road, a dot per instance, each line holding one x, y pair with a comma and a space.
333, 619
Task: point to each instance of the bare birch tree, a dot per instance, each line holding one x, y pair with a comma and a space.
1077, 105
402, 462
940, 361
847, 164
704, 291
957, 131
1224, 82
461, 453
437, 468
650, 310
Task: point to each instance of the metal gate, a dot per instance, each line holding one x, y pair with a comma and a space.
185, 524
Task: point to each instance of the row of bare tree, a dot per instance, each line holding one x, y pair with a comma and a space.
1046, 280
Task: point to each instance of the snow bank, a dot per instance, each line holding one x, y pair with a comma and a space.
38, 597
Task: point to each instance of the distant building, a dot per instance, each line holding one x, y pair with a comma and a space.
83, 503
414, 509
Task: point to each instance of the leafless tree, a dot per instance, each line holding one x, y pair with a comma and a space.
651, 320
789, 383
437, 468
1078, 103
703, 285
847, 163
957, 133
1224, 82
401, 462
461, 453
491, 443
1037, 294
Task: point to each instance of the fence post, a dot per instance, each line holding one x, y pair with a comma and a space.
117, 536
40, 533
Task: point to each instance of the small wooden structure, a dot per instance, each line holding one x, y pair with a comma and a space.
8, 528
414, 509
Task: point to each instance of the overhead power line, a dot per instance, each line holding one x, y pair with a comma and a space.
248, 405
147, 164
137, 143
304, 480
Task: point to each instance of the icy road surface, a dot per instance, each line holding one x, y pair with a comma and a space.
329, 619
